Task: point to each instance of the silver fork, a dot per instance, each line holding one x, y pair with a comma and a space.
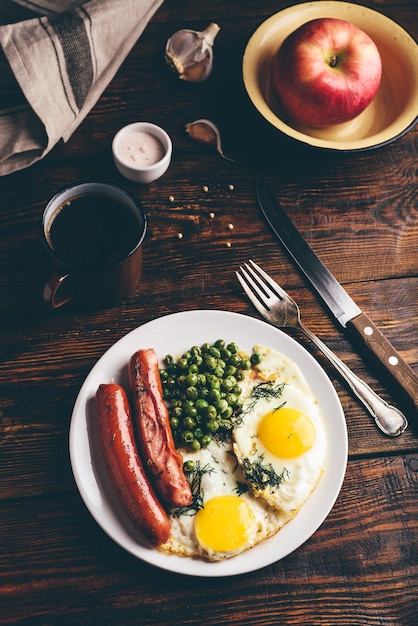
278, 308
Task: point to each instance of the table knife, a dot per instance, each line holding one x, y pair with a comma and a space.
338, 301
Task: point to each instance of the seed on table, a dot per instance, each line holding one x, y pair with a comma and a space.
205, 188
180, 235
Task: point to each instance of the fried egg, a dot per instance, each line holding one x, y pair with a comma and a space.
280, 440
247, 488
225, 518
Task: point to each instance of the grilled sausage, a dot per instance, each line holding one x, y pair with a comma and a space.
155, 439
125, 467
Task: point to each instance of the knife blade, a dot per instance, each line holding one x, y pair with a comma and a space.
335, 297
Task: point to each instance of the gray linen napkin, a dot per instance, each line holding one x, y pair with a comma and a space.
56, 59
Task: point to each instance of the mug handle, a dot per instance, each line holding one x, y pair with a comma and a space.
51, 290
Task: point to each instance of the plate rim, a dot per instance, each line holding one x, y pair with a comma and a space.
185, 565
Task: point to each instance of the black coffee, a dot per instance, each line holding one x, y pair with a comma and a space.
93, 229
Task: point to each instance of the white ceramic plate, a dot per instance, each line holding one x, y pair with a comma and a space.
174, 334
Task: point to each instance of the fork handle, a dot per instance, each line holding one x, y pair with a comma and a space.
388, 418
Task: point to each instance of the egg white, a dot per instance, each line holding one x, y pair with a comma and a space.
224, 477
296, 477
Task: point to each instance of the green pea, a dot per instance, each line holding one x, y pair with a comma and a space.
195, 445
192, 393
245, 364
198, 433
163, 375
188, 407
214, 382
189, 466
201, 405
204, 393
174, 423
235, 360
196, 360
220, 344
255, 358
182, 380
222, 406
214, 395
206, 439
228, 383
215, 352
226, 354
188, 423
232, 347
201, 380
213, 426
177, 411
168, 359
211, 412
231, 398
188, 436
210, 363
236, 389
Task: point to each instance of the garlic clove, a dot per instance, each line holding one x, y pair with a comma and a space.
205, 131
189, 53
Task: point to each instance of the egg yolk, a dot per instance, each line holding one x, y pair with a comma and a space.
287, 433
224, 523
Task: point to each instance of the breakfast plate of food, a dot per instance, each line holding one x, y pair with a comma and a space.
253, 435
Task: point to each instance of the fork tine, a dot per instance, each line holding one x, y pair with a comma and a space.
260, 288
272, 283
255, 301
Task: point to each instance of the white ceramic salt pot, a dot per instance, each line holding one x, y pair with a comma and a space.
142, 151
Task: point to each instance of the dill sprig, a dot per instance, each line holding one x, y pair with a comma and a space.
267, 390
241, 488
195, 480
261, 476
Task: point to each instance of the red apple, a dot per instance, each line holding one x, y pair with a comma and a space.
325, 72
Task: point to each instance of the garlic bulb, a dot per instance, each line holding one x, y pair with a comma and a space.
189, 53
205, 131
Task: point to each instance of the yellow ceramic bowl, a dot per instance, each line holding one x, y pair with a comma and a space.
394, 109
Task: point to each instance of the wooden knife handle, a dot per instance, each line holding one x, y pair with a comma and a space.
362, 327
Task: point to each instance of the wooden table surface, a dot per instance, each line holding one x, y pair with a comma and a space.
358, 211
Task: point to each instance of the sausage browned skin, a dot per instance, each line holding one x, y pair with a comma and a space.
125, 467
155, 438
